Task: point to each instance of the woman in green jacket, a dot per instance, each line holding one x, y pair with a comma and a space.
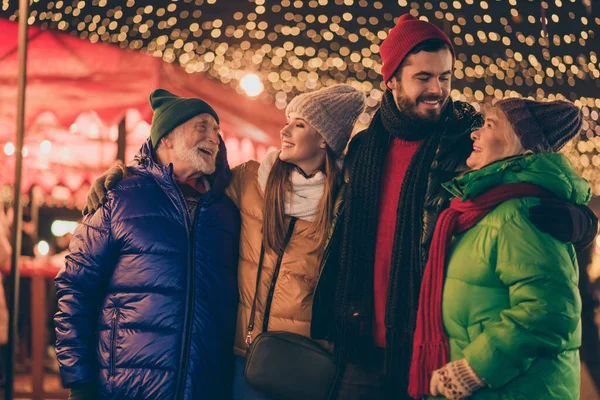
507, 323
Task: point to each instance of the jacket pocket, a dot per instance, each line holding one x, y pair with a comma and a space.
113, 339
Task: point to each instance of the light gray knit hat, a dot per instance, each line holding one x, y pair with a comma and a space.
332, 111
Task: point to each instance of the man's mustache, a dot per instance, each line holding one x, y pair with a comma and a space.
209, 146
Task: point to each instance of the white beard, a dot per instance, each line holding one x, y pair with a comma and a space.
192, 156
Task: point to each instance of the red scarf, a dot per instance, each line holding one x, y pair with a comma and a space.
430, 344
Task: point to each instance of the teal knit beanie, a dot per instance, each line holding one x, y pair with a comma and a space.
171, 110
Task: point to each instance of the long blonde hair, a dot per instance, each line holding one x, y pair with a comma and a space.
278, 189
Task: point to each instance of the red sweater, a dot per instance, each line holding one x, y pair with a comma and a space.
397, 161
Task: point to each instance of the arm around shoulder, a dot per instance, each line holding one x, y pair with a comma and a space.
239, 176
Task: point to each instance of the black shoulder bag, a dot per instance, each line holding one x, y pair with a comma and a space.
284, 364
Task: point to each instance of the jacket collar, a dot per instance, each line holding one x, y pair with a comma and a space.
163, 174
551, 171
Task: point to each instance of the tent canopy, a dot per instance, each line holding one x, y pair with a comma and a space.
69, 76
77, 92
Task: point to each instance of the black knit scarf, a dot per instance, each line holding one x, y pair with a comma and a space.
354, 291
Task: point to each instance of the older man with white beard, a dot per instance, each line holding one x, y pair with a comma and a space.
147, 299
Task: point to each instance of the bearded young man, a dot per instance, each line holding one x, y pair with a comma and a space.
367, 296
148, 296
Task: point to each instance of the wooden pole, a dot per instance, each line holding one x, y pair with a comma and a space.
18, 210
122, 141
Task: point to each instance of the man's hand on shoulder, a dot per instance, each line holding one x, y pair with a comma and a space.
565, 221
96, 196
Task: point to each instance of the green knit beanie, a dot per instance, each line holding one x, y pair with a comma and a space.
171, 110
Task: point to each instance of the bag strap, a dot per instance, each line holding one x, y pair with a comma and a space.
286, 240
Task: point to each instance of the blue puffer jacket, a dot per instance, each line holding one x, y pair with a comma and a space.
147, 305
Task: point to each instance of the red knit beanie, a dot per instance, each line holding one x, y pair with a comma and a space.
407, 34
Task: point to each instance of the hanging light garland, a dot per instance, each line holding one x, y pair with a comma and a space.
545, 50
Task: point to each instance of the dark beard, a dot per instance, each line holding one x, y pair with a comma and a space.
409, 110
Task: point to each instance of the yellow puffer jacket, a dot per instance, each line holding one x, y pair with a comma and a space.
291, 308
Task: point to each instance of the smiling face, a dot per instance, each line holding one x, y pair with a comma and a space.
494, 141
194, 145
421, 87
302, 145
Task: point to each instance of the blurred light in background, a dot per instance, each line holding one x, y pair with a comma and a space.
45, 146
43, 247
9, 149
252, 85
60, 228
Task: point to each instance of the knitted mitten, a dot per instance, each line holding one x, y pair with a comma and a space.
455, 380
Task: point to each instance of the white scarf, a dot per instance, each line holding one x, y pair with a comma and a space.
306, 194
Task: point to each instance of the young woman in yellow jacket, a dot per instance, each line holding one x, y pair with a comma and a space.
300, 181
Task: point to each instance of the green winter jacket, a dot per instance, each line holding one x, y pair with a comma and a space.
511, 304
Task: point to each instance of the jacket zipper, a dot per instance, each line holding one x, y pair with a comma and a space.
113, 360
190, 297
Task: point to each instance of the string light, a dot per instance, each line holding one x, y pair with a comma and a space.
252, 85
45, 146
43, 248
9, 149
503, 48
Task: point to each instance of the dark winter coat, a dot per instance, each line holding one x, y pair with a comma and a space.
147, 302
449, 162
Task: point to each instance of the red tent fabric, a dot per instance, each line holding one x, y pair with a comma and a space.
67, 76
78, 91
